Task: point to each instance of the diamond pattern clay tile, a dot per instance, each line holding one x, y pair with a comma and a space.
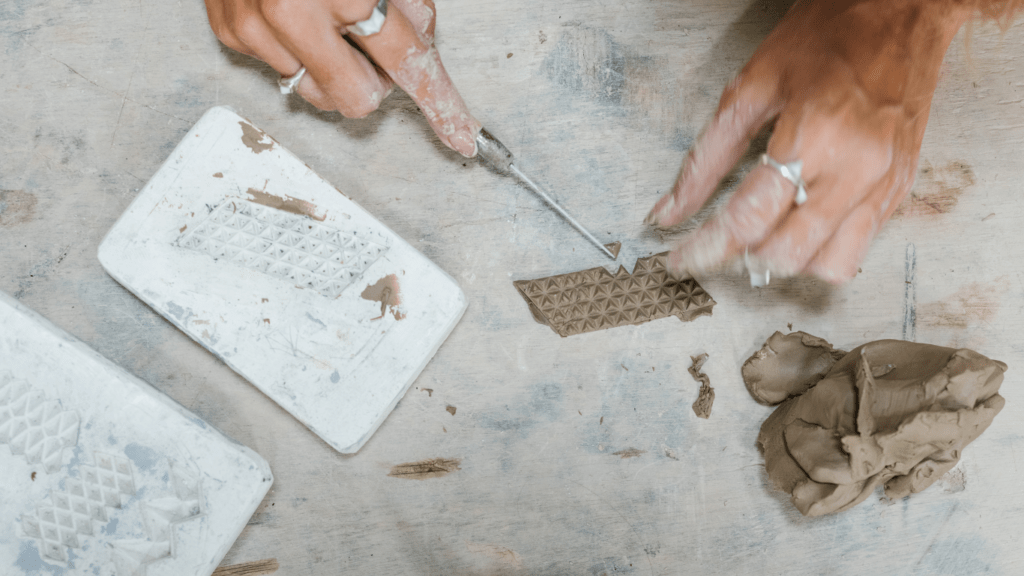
595, 299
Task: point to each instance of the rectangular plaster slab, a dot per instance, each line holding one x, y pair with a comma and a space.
102, 474
596, 299
298, 289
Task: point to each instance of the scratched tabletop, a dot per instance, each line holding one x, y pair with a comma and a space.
518, 451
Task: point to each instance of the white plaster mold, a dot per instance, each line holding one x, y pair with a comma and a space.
245, 249
33, 426
102, 474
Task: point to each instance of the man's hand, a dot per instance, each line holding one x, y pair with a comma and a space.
352, 76
850, 83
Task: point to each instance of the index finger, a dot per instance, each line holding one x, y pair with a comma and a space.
416, 67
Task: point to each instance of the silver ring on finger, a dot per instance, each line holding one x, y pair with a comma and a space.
288, 84
790, 171
373, 24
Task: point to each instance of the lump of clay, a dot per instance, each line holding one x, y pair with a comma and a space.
787, 365
889, 412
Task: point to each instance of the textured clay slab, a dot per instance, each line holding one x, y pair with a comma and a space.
294, 286
596, 299
102, 474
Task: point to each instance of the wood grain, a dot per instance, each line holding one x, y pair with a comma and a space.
599, 101
257, 568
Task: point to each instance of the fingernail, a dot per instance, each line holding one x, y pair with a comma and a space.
463, 142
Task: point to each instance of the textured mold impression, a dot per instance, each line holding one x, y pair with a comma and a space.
35, 427
70, 514
287, 246
132, 557
596, 299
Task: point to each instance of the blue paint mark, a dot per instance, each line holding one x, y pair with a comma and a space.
335, 377
143, 456
175, 310
111, 528
31, 562
111, 440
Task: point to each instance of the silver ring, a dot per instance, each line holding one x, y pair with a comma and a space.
790, 172
373, 24
288, 84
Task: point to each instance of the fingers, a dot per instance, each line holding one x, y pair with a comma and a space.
416, 67
838, 260
422, 15
761, 201
345, 77
746, 104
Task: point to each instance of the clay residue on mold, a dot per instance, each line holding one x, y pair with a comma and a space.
787, 365
253, 138
596, 299
16, 207
706, 396
433, 468
388, 293
890, 412
629, 453
286, 204
614, 248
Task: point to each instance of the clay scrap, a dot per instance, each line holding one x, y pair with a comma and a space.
596, 299
787, 365
706, 397
889, 412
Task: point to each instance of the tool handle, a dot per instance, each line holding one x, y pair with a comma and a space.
493, 153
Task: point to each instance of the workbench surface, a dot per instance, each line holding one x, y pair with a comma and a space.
577, 455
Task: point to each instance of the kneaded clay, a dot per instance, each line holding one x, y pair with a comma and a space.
787, 365
889, 412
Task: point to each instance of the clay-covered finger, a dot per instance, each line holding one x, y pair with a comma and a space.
761, 201
422, 14
416, 67
747, 103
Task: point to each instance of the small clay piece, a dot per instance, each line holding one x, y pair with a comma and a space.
595, 299
787, 365
614, 248
889, 412
706, 397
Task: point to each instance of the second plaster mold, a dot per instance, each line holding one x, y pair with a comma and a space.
596, 299
890, 413
289, 282
145, 489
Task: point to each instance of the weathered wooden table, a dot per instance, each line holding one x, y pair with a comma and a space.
578, 455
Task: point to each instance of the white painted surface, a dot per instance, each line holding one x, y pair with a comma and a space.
278, 296
129, 483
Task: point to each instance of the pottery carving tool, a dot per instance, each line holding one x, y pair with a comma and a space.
494, 154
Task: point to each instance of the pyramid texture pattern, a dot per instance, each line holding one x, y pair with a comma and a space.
71, 514
35, 427
132, 557
295, 248
596, 299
